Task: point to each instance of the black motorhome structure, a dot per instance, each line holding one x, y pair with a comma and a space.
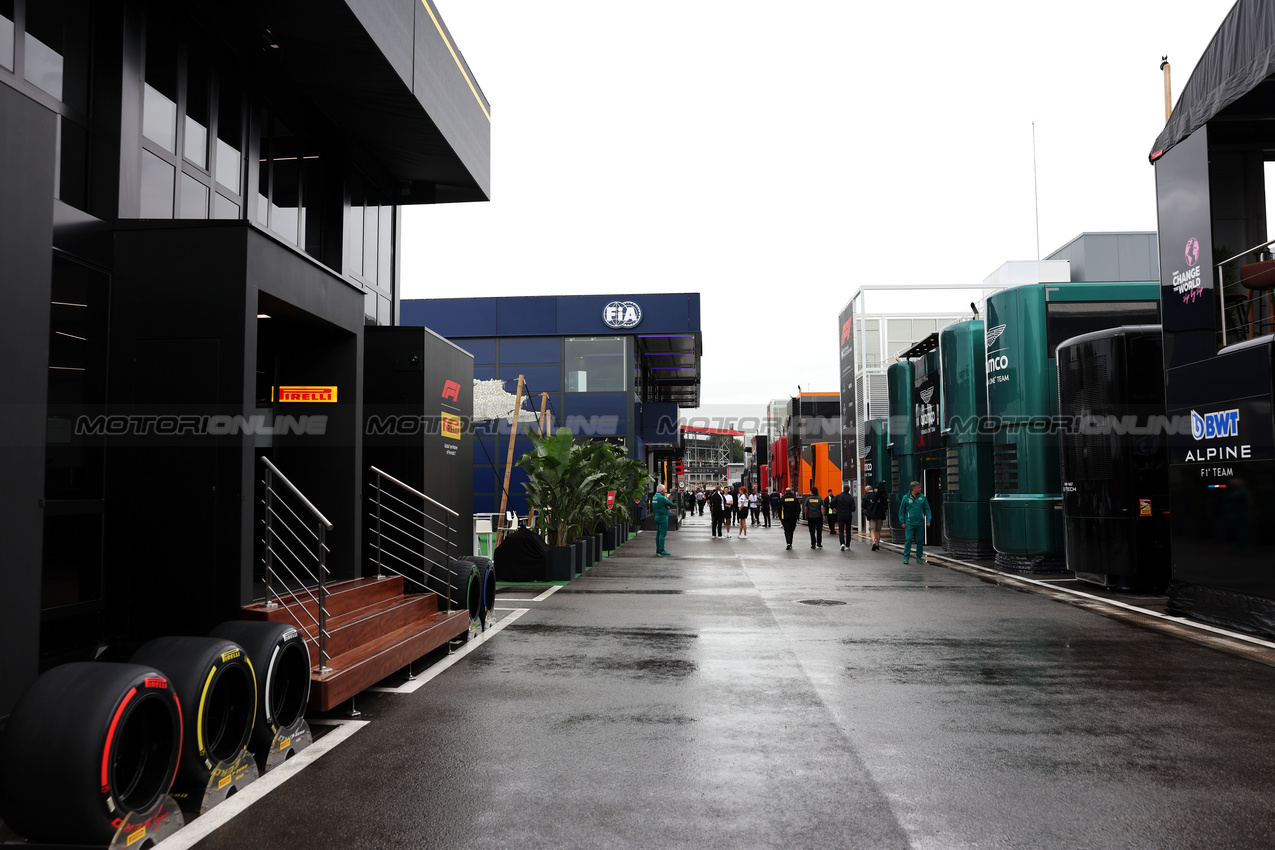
199, 229
1218, 342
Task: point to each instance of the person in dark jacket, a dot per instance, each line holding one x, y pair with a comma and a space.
814, 511
876, 504
844, 507
789, 513
914, 514
764, 501
716, 509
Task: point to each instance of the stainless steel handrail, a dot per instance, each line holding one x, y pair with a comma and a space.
1220, 283
414, 491
321, 518
272, 537
417, 546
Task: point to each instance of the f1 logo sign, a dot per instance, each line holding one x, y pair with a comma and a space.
845, 330
451, 390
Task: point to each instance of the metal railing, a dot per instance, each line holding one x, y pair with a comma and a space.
289, 556
1238, 319
411, 534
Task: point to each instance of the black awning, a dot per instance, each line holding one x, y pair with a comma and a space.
1237, 60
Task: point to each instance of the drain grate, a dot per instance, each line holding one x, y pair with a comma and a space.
820, 602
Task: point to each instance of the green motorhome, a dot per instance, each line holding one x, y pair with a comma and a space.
967, 517
1024, 326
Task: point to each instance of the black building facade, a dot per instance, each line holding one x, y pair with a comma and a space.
199, 207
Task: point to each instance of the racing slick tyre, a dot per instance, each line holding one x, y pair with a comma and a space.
466, 590
486, 584
89, 743
281, 662
218, 693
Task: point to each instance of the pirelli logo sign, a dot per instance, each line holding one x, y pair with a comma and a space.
312, 394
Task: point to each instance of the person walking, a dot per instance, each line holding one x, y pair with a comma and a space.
754, 506
830, 513
876, 505
660, 503
716, 507
814, 518
742, 502
914, 514
843, 509
765, 509
700, 498
774, 502
728, 501
789, 513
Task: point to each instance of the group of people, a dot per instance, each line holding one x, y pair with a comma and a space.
727, 507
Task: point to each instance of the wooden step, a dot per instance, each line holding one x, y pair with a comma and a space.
369, 663
343, 597
367, 624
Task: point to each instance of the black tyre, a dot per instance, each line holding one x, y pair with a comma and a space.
281, 662
86, 745
218, 693
486, 584
466, 589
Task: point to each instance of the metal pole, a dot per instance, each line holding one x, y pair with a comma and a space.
1168, 90
270, 603
509, 463
380, 573
323, 600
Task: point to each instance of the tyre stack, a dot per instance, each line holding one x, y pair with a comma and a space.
487, 588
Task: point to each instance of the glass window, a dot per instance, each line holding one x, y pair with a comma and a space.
194, 199
384, 311
195, 148
595, 364
384, 254
223, 207
6, 34
229, 136
157, 187
369, 307
312, 218
1065, 319
159, 103
354, 240
44, 46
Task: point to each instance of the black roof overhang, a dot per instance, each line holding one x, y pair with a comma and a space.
1239, 59
329, 53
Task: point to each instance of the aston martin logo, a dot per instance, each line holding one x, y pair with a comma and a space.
994, 334
928, 392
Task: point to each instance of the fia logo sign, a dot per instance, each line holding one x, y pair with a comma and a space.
622, 314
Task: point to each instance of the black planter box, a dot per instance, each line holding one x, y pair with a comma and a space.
610, 538
580, 556
562, 563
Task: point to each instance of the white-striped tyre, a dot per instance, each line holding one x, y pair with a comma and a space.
88, 744
281, 663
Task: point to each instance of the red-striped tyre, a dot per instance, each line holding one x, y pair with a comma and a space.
217, 689
282, 664
87, 744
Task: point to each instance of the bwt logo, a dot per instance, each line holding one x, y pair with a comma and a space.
622, 314
1210, 426
451, 390
845, 330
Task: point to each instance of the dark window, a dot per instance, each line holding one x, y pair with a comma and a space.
73, 158
43, 47
1065, 319
159, 98
198, 116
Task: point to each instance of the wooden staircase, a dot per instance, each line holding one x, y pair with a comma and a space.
374, 629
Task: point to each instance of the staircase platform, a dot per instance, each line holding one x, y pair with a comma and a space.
374, 628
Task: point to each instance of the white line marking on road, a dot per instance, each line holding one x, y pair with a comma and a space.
1168, 618
550, 592
203, 826
420, 681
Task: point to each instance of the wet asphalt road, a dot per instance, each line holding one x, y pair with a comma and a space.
694, 701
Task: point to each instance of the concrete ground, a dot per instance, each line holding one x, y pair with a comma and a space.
738, 694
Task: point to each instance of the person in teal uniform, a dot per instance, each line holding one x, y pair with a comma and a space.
660, 505
914, 513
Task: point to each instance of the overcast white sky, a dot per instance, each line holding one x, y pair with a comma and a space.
776, 156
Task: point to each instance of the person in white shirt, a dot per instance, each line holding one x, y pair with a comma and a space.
728, 501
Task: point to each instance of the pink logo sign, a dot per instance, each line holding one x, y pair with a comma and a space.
1192, 251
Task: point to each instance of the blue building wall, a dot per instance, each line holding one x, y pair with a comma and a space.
527, 336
